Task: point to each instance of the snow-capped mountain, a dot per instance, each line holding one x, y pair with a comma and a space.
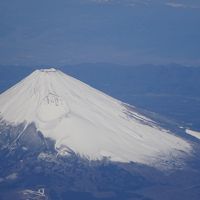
83, 120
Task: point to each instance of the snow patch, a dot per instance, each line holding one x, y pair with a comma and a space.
12, 176
31, 194
193, 133
48, 70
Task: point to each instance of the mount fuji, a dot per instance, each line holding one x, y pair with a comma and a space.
86, 121
59, 137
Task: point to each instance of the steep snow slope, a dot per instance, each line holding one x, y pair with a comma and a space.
87, 121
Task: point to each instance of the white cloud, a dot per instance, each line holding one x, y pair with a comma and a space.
103, 1
172, 4
126, 2
175, 5
180, 5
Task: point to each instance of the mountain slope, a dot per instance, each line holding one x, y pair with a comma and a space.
83, 120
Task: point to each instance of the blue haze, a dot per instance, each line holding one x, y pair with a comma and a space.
79, 31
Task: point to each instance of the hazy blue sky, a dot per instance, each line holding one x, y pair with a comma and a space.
60, 32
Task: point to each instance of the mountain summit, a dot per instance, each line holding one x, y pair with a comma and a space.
86, 121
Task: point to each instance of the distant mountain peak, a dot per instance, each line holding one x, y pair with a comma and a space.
87, 121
